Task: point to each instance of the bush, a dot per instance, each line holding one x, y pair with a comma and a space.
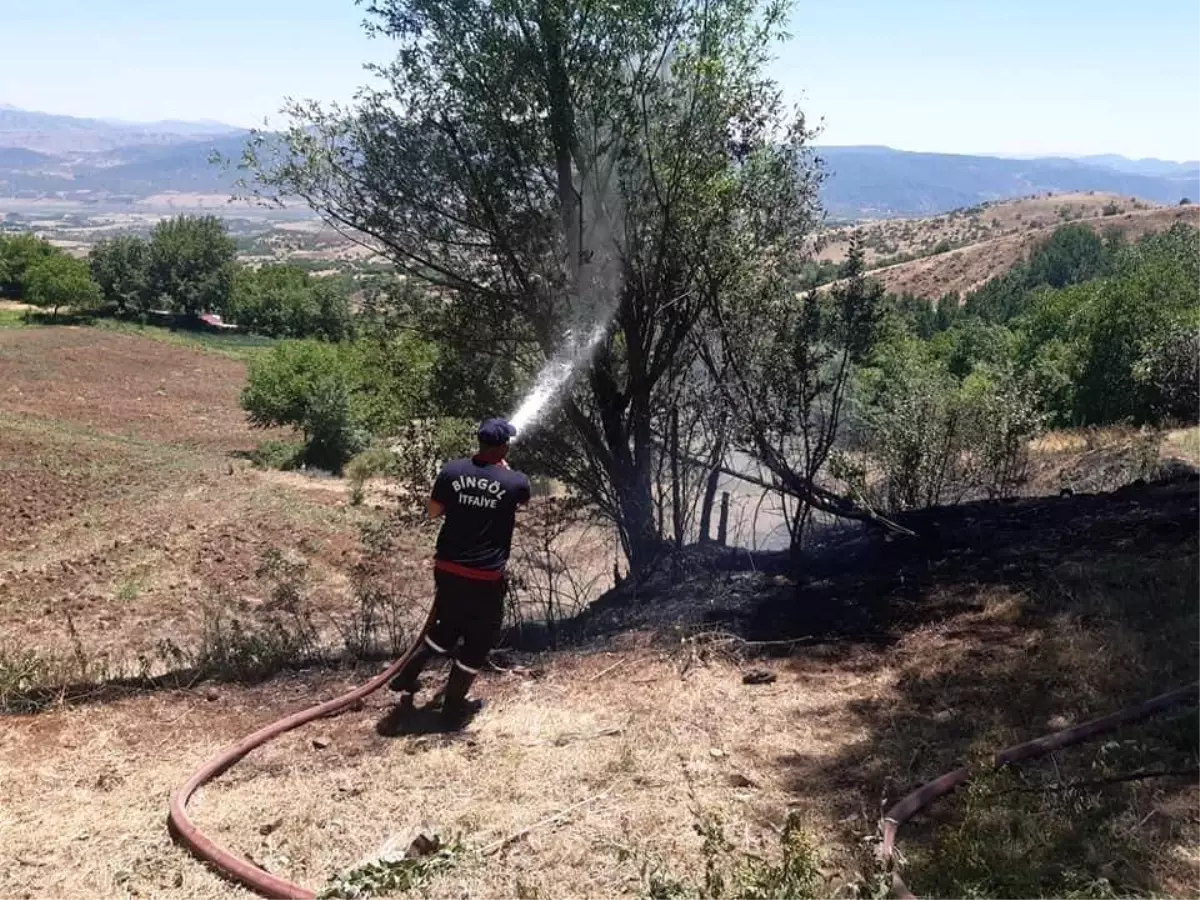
285, 301
927, 437
1167, 373
307, 385
281, 455
332, 433
373, 462
339, 395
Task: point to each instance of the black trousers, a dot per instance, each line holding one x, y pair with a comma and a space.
469, 610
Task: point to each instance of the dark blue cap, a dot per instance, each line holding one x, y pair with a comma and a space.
495, 432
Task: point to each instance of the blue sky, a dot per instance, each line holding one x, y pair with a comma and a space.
972, 76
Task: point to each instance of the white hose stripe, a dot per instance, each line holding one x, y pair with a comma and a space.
434, 647
465, 667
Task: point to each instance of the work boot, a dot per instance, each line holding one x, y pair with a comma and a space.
408, 680
457, 710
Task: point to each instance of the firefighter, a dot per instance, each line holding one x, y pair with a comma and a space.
478, 496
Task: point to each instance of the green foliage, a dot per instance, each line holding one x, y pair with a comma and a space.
286, 301
1104, 332
281, 455
1167, 373
339, 395
930, 432
191, 264
373, 462
544, 164
18, 253
121, 266
307, 385
59, 280
389, 877
794, 874
1071, 255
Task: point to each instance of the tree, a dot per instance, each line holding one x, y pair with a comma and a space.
1168, 372
1071, 255
786, 375
17, 255
555, 166
121, 266
285, 301
307, 385
191, 264
59, 280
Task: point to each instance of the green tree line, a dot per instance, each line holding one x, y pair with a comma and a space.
187, 266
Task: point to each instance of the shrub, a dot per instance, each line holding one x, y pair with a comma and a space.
307, 385
281, 455
373, 462
1167, 373
927, 437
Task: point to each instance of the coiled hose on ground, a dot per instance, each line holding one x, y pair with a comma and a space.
185, 830
923, 796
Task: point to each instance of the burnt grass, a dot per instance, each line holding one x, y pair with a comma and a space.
862, 584
1094, 601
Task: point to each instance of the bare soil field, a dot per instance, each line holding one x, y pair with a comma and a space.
126, 508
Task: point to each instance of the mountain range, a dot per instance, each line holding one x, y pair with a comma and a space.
99, 161
880, 182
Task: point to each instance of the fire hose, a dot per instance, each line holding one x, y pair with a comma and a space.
268, 885
186, 831
923, 796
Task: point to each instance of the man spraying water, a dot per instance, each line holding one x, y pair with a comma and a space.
478, 496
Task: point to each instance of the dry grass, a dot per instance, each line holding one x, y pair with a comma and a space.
918, 237
638, 745
982, 243
88, 791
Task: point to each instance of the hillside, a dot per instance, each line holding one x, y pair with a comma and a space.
875, 182
599, 769
977, 244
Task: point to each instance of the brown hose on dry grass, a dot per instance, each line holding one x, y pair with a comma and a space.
242, 870
923, 796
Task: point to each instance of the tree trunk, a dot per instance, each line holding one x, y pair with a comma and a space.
677, 514
710, 487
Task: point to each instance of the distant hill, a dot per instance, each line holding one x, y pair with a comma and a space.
91, 159
959, 251
1155, 167
67, 135
879, 182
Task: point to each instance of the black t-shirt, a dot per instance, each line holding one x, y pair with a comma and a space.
481, 502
